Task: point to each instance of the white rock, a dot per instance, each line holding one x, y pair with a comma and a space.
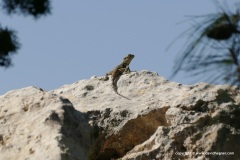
88, 120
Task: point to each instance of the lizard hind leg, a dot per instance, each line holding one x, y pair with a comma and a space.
106, 76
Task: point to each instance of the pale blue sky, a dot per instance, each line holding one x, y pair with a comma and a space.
85, 38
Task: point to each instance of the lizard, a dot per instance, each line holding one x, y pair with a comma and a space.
118, 71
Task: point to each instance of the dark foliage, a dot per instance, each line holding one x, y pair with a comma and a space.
213, 48
8, 45
35, 8
222, 32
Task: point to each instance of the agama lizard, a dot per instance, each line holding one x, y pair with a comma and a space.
118, 71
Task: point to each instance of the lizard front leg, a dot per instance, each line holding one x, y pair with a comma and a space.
127, 70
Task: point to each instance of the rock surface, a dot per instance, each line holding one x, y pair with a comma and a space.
88, 120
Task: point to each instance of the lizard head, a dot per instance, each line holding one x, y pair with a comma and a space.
128, 58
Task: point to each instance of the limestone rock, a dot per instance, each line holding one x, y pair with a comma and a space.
88, 120
35, 124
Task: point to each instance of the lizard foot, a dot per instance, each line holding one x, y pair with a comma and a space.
104, 78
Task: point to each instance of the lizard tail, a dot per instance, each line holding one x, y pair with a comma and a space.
114, 86
115, 90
